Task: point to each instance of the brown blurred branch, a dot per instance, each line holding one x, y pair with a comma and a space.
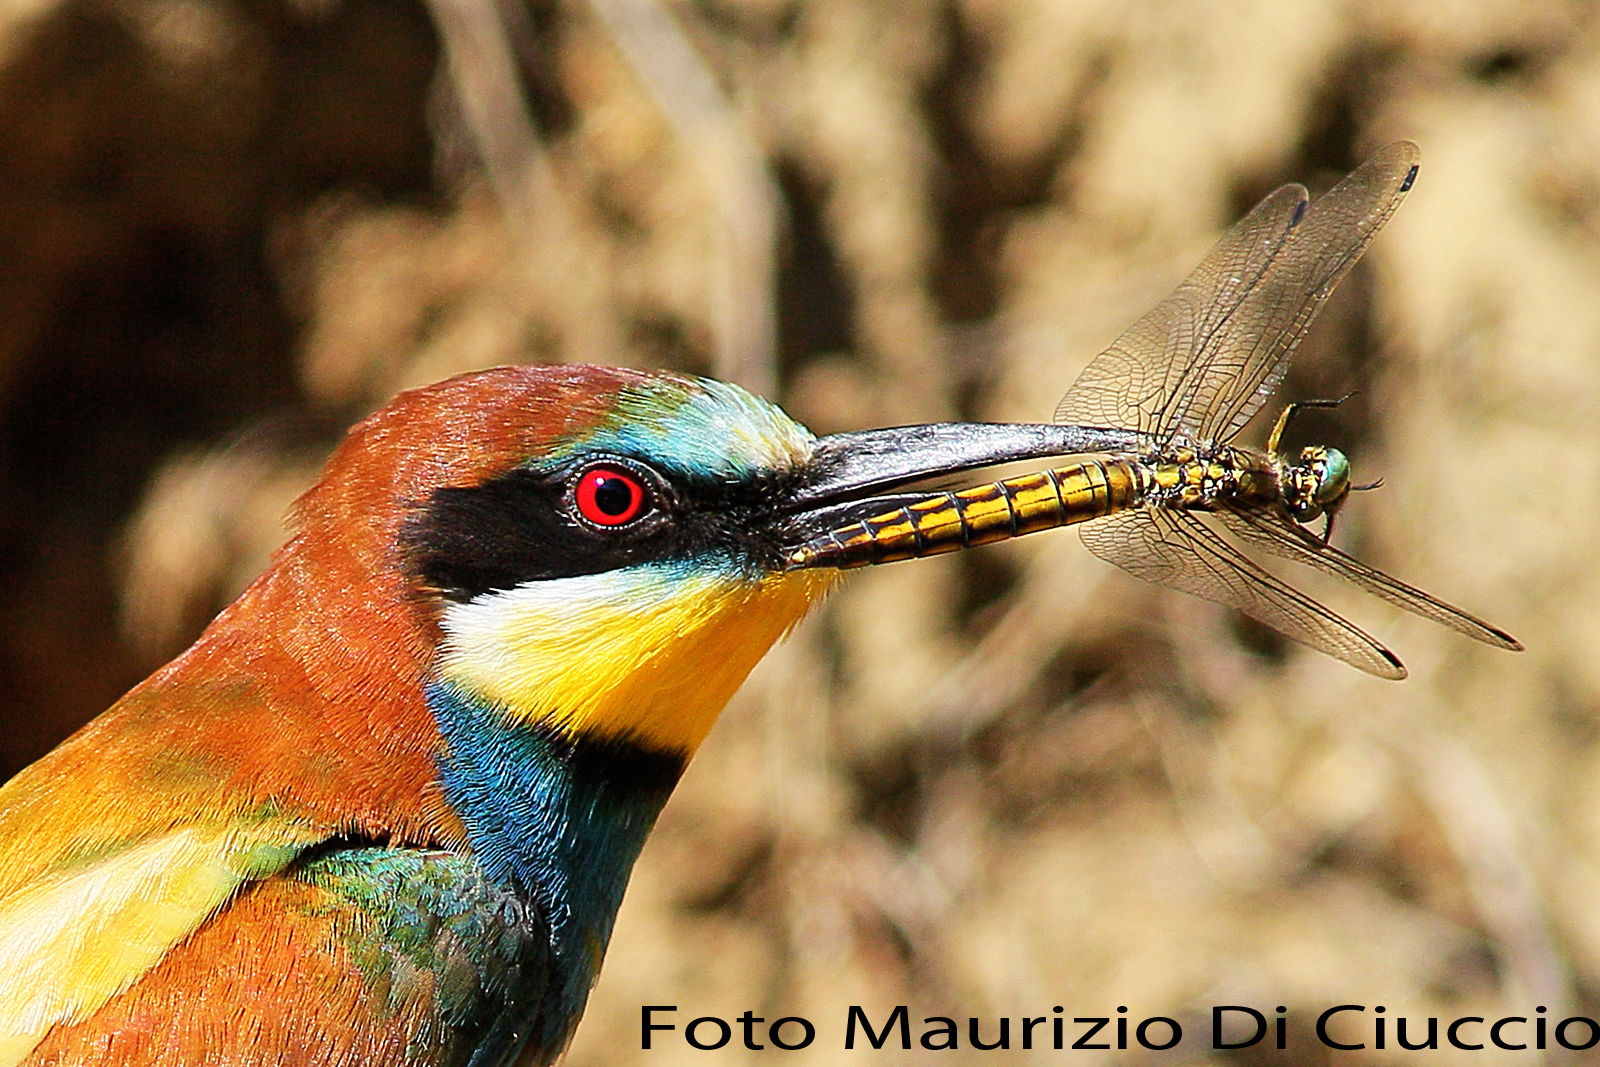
481, 62
743, 198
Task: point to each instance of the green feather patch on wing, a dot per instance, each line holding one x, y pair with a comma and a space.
432, 921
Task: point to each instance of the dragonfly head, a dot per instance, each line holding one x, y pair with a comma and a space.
1317, 484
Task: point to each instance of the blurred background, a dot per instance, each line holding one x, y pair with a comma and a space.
986, 784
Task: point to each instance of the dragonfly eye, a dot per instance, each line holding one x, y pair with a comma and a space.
1332, 469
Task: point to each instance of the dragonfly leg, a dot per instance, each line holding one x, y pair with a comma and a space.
1327, 527
1289, 413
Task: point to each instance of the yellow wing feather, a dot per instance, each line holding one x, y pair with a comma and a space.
71, 941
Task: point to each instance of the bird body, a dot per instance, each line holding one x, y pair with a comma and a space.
384, 809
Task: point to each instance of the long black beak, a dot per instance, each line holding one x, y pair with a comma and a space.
850, 476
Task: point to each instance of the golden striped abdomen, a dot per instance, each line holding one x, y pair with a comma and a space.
947, 521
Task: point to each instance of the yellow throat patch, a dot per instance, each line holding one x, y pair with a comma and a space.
649, 653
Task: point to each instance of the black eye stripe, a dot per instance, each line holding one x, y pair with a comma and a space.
528, 525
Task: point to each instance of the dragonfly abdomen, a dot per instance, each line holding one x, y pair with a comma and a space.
945, 522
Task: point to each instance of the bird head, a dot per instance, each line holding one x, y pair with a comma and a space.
604, 552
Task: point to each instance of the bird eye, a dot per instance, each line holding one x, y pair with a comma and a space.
607, 496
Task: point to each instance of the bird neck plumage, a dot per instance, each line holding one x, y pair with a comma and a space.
558, 820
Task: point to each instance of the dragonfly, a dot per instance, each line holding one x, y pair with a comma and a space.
1180, 385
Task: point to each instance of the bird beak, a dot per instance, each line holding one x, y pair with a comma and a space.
850, 476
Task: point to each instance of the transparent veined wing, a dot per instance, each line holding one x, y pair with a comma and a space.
1204, 360
1143, 380
1281, 536
1178, 550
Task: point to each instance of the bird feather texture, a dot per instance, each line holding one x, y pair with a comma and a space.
291, 844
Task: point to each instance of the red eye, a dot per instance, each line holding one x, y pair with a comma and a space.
609, 497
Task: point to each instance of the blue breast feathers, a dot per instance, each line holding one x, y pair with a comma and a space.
558, 821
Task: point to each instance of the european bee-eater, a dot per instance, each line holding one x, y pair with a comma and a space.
383, 810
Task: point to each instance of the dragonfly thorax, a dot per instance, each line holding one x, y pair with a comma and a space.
1197, 478
1315, 485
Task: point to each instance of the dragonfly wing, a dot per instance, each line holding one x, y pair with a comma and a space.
1236, 321
1283, 537
1255, 345
1177, 549
1149, 375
